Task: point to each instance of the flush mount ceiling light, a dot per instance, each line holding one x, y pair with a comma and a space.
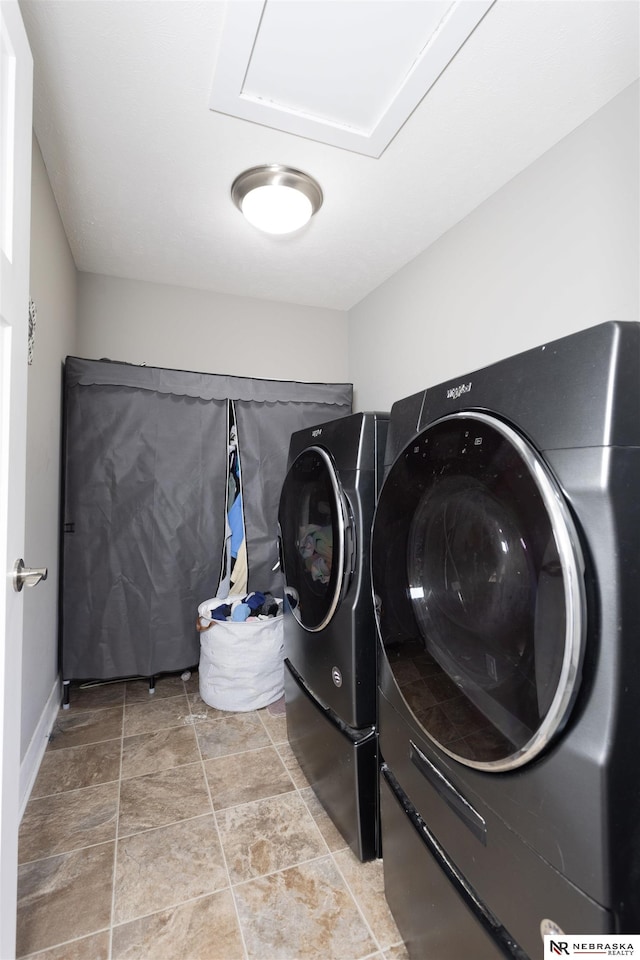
275, 198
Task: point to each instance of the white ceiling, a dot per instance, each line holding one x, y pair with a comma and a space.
141, 166
347, 74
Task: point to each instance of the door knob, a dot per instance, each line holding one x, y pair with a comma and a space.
27, 575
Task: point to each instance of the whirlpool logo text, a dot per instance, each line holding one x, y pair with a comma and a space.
454, 392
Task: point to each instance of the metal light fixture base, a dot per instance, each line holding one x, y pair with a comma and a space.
276, 175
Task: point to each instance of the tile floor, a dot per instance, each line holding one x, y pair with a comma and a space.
161, 828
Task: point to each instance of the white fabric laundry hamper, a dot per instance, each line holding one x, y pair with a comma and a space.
241, 662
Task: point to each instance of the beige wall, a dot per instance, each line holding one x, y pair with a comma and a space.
53, 289
168, 326
554, 251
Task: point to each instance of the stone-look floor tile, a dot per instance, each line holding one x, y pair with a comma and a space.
244, 777
233, 734
277, 726
96, 696
152, 752
161, 798
397, 952
268, 835
170, 686
332, 836
304, 912
148, 717
294, 769
205, 929
366, 882
68, 821
64, 897
85, 726
173, 884
95, 947
73, 767
202, 711
164, 867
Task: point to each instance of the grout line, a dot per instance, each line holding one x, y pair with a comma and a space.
89, 743
379, 949
222, 850
245, 803
167, 909
62, 797
65, 943
357, 903
115, 847
307, 787
64, 793
64, 853
314, 821
161, 772
165, 826
274, 873
201, 816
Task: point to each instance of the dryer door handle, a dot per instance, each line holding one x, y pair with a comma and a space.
350, 548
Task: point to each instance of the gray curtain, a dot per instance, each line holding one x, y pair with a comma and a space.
145, 482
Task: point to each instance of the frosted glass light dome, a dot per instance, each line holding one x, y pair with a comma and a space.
276, 199
277, 209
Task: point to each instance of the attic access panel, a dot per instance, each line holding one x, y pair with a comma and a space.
347, 73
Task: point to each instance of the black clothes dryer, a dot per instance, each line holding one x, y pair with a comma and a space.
326, 510
505, 566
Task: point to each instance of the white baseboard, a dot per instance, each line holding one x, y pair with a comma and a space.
39, 741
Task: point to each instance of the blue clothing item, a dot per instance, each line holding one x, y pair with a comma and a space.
241, 612
217, 614
255, 600
236, 523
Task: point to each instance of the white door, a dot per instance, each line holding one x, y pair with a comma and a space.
15, 210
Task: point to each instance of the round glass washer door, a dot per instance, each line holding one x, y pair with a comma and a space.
478, 578
314, 537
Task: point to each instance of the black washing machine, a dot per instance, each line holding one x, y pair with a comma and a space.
506, 573
325, 516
